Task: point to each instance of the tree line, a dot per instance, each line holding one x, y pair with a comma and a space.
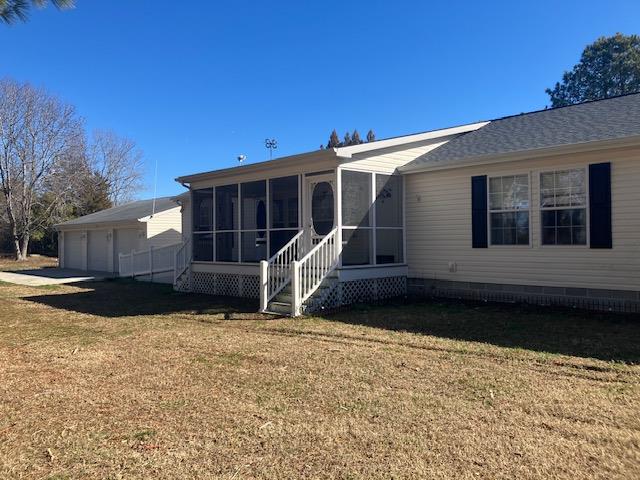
348, 139
52, 170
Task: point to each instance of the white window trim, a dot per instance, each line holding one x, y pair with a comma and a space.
489, 211
587, 208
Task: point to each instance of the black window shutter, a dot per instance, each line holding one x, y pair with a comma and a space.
479, 211
600, 205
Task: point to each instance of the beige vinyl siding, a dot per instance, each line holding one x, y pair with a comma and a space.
164, 228
438, 215
388, 159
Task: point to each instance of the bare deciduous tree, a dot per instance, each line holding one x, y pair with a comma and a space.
119, 162
40, 141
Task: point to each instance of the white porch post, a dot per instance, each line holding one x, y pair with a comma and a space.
295, 289
264, 285
339, 214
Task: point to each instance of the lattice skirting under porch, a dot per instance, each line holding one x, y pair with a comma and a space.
226, 284
183, 283
369, 290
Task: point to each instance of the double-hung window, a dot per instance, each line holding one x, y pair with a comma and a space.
509, 210
563, 203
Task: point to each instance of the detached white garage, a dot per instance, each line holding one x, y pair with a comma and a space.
93, 242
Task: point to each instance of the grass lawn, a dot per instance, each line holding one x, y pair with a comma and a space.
129, 380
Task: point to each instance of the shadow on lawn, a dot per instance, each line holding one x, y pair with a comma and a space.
120, 298
610, 337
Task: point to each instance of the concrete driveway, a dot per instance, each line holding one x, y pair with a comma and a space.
52, 276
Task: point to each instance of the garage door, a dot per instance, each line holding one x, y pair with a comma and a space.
73, 251
97, 250
126, 239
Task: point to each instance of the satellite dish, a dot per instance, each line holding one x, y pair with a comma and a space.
241, 158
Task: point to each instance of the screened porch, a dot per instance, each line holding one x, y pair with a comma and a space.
245, 222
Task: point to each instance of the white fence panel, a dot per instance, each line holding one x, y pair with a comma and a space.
153, 264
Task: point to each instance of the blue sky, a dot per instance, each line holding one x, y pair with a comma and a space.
195, 87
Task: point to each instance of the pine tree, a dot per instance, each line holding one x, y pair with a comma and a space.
334, 141
347, 140
95, 196
371, 137
608, 67
355, 138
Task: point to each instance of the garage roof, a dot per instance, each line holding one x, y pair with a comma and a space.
609, 119
134, 211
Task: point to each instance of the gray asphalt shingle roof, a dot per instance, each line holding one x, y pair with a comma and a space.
128, 212
607, 119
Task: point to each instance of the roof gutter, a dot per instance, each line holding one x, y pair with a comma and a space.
256, 167
116, 224
528, 154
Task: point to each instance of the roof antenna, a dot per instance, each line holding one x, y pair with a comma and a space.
155, 189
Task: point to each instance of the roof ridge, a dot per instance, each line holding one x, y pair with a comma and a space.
561, 127
550, 109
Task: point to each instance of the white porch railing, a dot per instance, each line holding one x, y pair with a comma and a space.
308, 273
182, 260
275, 273
150, 262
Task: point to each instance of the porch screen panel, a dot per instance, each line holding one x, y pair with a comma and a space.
227, 241
227, 247
389, 219
388, 201
253, 202
203, 210
254, 246
284, 202
279, 238
356, 198
389, 246
203, 247
226, 207
356, 248
202, 217
356, 218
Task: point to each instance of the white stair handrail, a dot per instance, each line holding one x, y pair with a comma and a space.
309, 272
275, 273
182, 259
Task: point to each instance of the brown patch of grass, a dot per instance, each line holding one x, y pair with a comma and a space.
32, 262
122, 379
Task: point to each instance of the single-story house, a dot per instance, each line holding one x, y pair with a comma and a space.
94, 242
540, 207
